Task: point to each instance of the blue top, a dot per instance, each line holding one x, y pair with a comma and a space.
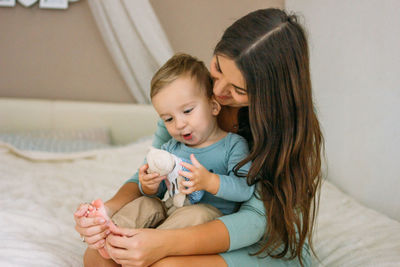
246, 226
219, 158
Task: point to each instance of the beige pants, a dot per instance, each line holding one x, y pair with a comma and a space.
146, 212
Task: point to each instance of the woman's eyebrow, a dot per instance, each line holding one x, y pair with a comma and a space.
219, 67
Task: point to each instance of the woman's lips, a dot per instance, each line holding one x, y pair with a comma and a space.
223, 97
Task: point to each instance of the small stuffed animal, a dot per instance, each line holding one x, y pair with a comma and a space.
165, 163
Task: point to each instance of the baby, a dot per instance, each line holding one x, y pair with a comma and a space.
181, 93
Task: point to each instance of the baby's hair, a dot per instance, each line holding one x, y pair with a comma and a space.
177, 66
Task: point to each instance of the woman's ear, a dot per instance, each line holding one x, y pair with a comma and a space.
215, 106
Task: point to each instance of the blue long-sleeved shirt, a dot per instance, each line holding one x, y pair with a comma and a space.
246, 226
219, 158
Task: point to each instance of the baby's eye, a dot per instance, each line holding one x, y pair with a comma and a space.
167, 119
186, 111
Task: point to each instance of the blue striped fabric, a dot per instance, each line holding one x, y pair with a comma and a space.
59, 141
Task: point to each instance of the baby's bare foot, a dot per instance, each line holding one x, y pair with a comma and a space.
100, 211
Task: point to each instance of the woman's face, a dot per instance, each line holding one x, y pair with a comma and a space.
229, 84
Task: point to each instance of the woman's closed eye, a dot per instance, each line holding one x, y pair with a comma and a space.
217, 67
240, 91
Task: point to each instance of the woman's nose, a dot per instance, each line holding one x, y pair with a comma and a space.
220, 87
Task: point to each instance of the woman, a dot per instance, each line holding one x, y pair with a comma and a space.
261, 78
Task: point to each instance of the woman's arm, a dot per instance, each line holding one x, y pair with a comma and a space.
161, 136
230, 232
196, 239
143, 247
247, 226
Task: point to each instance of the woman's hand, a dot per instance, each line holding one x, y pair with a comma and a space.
149, 181
137, 247
94, 230
200, 178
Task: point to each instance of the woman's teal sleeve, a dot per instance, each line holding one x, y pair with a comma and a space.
243, 257
161, 136
247, 226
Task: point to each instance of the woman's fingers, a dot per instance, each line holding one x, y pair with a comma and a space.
124, 250
114, 249
142, 248
94, 239
118, 241
93, 230
85, 222
98, 245
125, 231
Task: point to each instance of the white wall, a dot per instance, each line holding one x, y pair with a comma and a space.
355, 64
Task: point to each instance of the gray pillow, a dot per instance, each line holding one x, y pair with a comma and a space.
62, 141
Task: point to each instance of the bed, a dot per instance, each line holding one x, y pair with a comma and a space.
41, 184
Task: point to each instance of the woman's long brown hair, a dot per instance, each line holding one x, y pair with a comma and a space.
270, 49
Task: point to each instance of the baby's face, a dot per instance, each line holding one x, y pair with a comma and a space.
188, 114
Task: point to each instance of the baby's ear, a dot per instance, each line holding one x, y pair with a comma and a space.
215, 106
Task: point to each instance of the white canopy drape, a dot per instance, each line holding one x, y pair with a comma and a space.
135, 39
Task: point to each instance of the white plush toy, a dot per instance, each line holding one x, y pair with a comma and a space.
164, 163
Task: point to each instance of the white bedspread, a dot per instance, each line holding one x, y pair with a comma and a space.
38, 196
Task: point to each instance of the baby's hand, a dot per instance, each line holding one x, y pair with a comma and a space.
149, 181
199, 178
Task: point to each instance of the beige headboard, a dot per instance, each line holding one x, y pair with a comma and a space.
127, 122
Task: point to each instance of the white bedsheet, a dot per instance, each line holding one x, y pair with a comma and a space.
38, 198
349, 234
